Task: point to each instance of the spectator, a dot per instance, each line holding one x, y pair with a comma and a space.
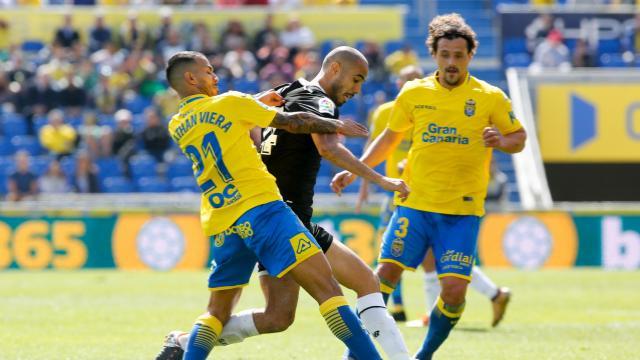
57, 137
85, 178
167, 102
582, 55
172, 44
155, 137
295, 35
67, 36
240, 62
233, 36
105, 96
38, 97
372, 52
539, 29
551, 53
161, 34
73, 96
279, 64
264, 54
94, 138
124, 140
201, 40
22, 184
400, 59
99, 34
133, 35
267, 31
53, 181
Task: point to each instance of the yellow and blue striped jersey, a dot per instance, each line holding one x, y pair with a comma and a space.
448, 164
379, 121
213, 132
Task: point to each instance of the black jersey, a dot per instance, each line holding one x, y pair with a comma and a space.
293, 158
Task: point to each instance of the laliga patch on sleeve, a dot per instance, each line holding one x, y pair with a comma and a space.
326, 106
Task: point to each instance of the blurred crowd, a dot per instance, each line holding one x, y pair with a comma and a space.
78, 112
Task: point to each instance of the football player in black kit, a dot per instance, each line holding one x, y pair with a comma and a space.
294, 160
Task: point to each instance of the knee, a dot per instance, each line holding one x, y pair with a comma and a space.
453, 292
279, 321
389, 273
221, 315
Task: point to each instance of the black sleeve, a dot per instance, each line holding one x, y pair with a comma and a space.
317, 104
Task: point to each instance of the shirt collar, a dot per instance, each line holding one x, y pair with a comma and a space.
189, 99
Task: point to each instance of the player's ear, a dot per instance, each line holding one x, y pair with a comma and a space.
189, 77
335, 68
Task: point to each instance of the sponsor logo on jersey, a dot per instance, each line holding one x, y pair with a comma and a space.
424, 106
443, 134
326, 106
470, 107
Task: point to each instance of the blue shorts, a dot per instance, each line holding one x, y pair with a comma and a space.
412, 232
270, 233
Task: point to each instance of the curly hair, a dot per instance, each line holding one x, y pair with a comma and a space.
450, 26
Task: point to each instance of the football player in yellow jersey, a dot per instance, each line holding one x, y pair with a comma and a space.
242, 210
457, 121
499, 296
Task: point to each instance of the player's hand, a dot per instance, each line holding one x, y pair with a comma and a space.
491, 137
342, 180
352, 129
271, 98
401, 165
396, 185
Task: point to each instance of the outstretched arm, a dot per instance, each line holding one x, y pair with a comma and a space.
331, 149
306, 123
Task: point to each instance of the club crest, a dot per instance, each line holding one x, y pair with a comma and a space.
470, 107
397, 247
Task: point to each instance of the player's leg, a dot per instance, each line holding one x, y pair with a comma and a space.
284, 247
454, 246
431, 289
499, 296
353, 273
232, 266
209, 325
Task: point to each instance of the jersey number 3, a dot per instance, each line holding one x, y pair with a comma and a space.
211, 148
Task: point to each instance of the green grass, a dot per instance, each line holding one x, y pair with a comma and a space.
577, 314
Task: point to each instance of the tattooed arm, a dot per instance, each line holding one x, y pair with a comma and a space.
305, 123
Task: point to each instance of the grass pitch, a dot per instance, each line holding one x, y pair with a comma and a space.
572, 314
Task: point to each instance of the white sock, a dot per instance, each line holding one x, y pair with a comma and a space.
239, 327
482, 284
431, 289
381, 326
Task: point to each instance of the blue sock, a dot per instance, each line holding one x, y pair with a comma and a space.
203, 335
396, 295
443, 318
345, 325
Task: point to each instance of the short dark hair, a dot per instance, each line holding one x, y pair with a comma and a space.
450, 26
177, 62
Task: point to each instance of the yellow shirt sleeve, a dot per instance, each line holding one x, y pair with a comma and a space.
401, 118
502, 115
250, 110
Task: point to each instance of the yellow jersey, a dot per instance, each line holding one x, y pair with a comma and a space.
213, 132
379, 121
448, 164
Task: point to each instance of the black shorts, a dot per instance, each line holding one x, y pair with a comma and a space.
322, 236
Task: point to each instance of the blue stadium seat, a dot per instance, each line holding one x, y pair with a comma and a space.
612, 60
184, 184
517, 60
27, 143
7, 165
107, 167
32, 46
3, 184
137, 104
181, 167
6, 148
512, 45
322, 185
13, 124
138, 123
40, 164
142, 166
351, 108
152, 184
68, 165
246, 86
39, 121
117, 184
326, 169
392, 45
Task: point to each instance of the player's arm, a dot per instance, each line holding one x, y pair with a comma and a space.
510, 143
379, 151
331, 149
306, 123
256, 136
